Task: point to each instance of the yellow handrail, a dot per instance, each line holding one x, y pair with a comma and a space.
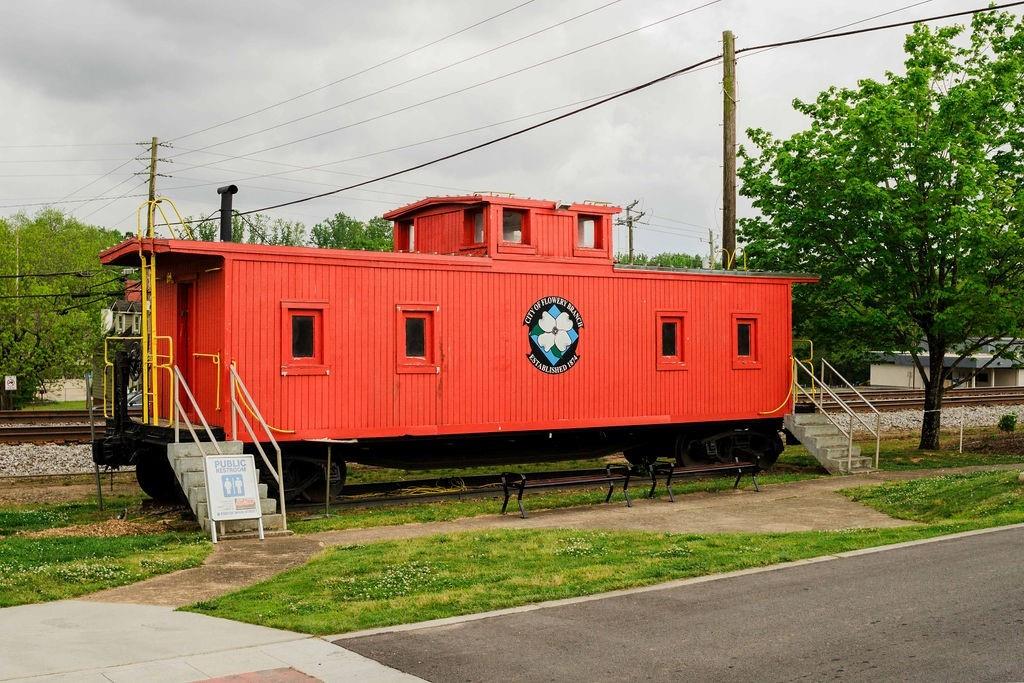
235, 392
215, 357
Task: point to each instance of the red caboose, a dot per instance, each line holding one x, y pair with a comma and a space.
499, 329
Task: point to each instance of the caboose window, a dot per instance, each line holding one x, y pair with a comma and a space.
670, 340
513, 226
744, 340
474, 227
303, 331
416, 344
586, 231
302, 338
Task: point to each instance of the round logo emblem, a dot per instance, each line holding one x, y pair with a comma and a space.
553, 325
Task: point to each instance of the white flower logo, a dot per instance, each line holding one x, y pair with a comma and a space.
556, 331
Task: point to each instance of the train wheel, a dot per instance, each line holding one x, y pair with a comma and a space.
338, 474
155, 476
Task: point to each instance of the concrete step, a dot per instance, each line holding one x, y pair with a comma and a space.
802, 419
859, 465
817, 430
270, 523
243, 535
824, 441
267, 506
838, 452
198, 493
187, 463
190, 448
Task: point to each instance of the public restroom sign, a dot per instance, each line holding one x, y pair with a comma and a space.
553, 326
232, 488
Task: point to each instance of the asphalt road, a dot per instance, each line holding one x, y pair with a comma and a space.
945, 611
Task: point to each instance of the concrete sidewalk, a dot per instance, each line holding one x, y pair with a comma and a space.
73, 640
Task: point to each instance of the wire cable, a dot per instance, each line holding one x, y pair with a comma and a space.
463, 89
356, 73
413, 79
293, 168
629, 91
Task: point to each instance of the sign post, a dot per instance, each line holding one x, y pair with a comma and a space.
232, 490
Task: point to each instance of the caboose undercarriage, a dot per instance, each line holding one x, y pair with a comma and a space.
128, 443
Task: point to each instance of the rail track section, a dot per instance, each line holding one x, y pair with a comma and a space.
45, 433
913, 399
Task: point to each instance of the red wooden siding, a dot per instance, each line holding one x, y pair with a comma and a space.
485, 382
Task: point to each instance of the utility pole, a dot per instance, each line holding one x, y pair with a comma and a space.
728, 149
628, 221
152, 186
711, 249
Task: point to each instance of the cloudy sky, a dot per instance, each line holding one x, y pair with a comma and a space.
210, 78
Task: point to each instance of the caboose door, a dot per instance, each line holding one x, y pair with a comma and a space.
418, 367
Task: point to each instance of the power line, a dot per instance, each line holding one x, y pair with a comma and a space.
398, 84
676, 220
356, 73
87, 144
56, 161
123, 196
467, 88
629, 91
322, 167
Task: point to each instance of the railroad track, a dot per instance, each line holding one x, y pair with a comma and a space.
45, 433
53, 416
913, 399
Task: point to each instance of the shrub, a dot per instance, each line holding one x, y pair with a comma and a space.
1008, 423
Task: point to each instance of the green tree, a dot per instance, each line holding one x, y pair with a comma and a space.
905, 195
344, 232
665, 259
257, 228
49, 322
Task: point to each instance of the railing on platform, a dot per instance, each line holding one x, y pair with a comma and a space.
818, 390
877, 431
180, 413
238, 388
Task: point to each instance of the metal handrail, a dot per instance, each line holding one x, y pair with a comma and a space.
877, 431
238, 385
848, 433
179, 413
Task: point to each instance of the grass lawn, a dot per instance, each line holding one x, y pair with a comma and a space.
356, 587
996, 497
900, 452
444, 510
36, 569
41, 569
15, 518
58, 405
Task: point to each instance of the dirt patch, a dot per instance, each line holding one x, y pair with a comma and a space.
997, 443
64, 489
110, 528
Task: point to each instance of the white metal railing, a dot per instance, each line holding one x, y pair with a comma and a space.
877, 431
819, 403
238, 387
181, 414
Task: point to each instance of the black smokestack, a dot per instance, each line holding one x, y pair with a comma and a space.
226, 193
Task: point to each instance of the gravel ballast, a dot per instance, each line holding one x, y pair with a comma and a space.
32, 459
51, 458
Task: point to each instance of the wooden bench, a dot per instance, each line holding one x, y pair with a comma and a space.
520, 482
671, 470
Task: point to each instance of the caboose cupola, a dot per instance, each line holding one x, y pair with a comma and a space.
505, 227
